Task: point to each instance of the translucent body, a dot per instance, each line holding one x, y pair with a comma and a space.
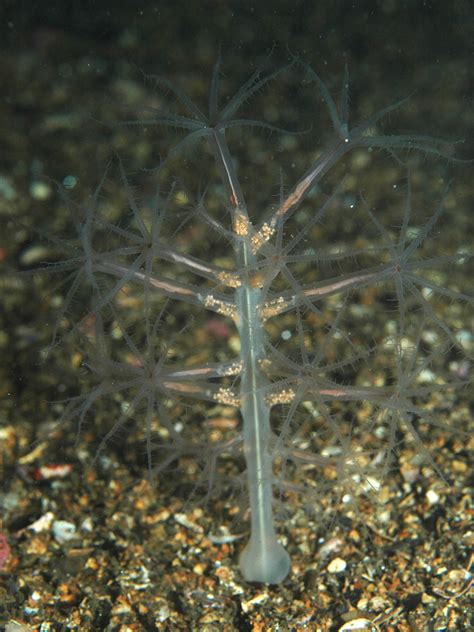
280, 267
263, 559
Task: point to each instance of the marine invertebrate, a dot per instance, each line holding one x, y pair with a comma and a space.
283, 266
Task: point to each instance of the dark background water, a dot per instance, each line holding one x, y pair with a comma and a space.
61, 59
402, 45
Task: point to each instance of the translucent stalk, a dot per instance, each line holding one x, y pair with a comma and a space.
263, 559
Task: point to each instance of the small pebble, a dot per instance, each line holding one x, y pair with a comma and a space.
432, 497
69, 182
337, 565
331, 546
43, 523
7, 190
63, 531
361, 624
40, 190
87, 525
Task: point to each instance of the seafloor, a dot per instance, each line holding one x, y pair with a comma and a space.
143, 557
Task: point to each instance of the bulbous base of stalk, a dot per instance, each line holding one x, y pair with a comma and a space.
266, 562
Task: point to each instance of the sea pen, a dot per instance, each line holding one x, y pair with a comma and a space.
109, 257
